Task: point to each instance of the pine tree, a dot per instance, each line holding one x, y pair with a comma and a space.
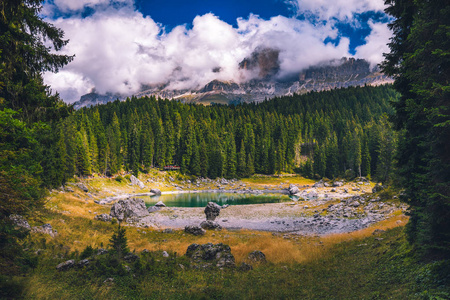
119, 242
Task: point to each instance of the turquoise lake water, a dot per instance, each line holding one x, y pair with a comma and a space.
202, 199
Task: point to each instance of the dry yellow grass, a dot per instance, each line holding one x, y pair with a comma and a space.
78, 229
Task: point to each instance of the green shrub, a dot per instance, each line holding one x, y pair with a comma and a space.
87, 252
119, 178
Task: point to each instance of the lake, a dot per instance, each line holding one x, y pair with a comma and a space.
202, 199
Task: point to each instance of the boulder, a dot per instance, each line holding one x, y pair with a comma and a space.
195, 230
338, 184
66, 265
319, 184
209, 255
20, 222
165, 254
135, 181
68, 189
103, 218
160, 204
155, 191
293, 189
245, 267
130, 257
212, 211
210, 225
83, 263
101, 251
257, 256
45, 229
377, 188
129, 208
83, 187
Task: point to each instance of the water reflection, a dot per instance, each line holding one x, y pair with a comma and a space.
202, 199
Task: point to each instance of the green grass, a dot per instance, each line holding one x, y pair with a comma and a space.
359, 269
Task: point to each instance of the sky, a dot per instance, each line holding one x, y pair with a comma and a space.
121, 45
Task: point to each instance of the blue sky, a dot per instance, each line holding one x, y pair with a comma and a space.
120, 45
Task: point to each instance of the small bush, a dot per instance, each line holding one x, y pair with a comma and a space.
87, 252
119, 178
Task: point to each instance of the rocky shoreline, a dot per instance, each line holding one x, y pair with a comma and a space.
316, 210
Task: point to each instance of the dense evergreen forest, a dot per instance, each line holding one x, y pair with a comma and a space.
335, 133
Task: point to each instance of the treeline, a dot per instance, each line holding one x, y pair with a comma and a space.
334, 133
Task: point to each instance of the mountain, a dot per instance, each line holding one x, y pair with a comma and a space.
264, 63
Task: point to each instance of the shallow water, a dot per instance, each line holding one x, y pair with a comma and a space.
202, 199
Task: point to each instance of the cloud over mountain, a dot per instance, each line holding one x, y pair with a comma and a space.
118, 49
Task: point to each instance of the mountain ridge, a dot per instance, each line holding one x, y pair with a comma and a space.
341, 73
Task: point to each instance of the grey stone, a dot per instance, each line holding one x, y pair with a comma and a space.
210, 225
257, 256
206, 255
134, 180
83, 263
68, 189
155, 191
338, 184
45, 229
212, 211
131, 257
195, 230
168, 230
20, 221
160, 204
83, 187
377, 188
101, 251
66, 265
293, 189
129, 208
165, 254
103, 218
245, 267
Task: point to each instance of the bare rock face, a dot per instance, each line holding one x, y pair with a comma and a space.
136, 181
212, 211
129, 208
210, 255
210, 225
293, 189
195, 230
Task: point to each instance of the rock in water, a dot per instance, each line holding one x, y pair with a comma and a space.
129, 208
209, 255
212, 211
293, 189
136, 181
210, 225
257, 256
195, 230
160, 204
155, 191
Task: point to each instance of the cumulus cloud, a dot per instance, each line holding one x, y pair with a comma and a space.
336, 9
118, 50
376, 44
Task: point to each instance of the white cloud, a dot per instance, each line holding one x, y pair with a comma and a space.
376, 44
340, 9
118, 49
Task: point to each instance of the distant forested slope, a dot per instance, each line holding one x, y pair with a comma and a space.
332, 133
